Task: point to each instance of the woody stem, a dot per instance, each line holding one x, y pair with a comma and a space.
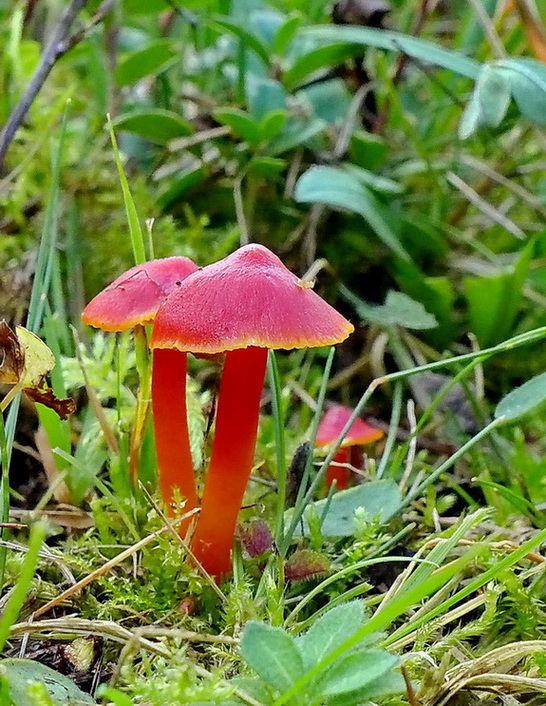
232, 457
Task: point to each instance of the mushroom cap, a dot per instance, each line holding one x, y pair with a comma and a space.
136, 295
333, 423
247, 299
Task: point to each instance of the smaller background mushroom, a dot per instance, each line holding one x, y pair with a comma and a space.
332, 424
131, 302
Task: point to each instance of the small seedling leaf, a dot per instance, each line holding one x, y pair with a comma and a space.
526, 399
355, 671
379, 499
330, 631
22, 673
387, 685
273, 654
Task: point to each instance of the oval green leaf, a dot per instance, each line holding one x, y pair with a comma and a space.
526, 399
156, 125
153, 59
23, 673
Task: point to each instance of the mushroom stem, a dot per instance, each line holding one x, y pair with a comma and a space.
174, 460
231, 459
340, 474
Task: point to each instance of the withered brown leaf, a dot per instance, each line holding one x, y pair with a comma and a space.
12, 361
46, 396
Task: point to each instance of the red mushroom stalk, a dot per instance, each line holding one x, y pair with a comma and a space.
242, 306
332, 424
172, 442
132, 301
232, 456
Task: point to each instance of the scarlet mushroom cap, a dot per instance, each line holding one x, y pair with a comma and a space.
331, 425
248, 299
134, 297
333, 422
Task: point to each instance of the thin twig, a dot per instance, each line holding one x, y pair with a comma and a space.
57, 47
484, 206
489, 28
104, 9
105, 568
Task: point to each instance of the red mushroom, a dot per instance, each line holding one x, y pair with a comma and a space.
132, 301
243, 306
332, 424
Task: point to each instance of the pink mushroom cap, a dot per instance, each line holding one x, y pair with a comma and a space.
333, 423
136, 295
247, 299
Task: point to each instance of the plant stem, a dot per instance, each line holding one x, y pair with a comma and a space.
58, 45
232, 457
143, 402
174, 459
280, 447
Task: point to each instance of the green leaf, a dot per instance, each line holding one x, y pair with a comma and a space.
398, 310
494, 95
240, 122
388, 685
254, 687
334, 43
330, 631
265, 96
378, 499
526, 399
272, 124
272, 653
154, 58
249, 40
266, 166
494, 302
22, 673
156, 125
374, 181
527, 79
296, 133
470, 119
286, 33
335, 187
355, 671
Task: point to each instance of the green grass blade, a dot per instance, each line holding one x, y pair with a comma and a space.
17, 598
280, 446
135, 231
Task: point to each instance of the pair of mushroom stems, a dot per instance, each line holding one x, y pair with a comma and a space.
232, 453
